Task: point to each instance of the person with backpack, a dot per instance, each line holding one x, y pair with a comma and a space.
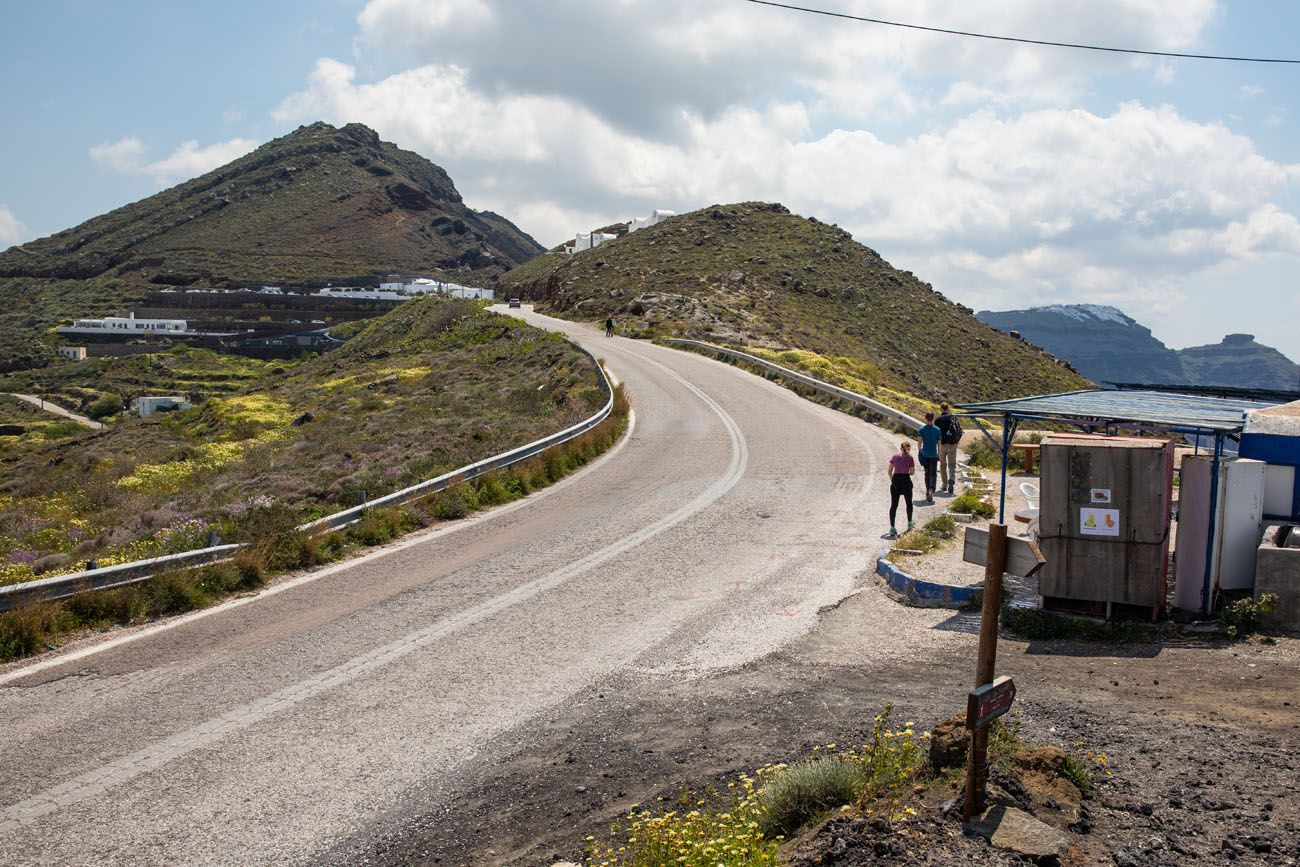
949, 438
928, 435
901, 469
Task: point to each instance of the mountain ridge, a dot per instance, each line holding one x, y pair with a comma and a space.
1108, 345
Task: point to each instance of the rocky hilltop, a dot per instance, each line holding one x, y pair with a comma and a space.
1109, 346
318, 202
321, 203
1240, 360
754, 274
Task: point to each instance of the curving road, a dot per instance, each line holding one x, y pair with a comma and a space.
273, 728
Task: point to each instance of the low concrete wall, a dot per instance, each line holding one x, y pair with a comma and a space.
1277, 570
926, 594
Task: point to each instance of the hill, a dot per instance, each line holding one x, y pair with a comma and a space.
434, 384
755, 274
319, 204
1109, 346
1242, 361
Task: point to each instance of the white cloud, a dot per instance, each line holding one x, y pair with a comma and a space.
125, 156
640, 64
129, 156
12, 229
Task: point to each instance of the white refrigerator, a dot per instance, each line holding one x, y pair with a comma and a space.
1237, 525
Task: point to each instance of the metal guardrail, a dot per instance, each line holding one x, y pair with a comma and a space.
63, 586
824, 387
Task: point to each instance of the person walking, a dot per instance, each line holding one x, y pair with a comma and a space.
949, 438
901, 470
928, 436
609, 327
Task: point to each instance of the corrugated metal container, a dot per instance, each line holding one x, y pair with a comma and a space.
1104, 522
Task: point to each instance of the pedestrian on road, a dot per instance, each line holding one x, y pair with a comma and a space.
609, 327
929, 436
901, 470
949, 437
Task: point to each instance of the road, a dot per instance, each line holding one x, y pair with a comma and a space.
275, 728
41, 403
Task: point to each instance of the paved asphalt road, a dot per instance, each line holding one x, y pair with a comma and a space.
41, 403
270, 729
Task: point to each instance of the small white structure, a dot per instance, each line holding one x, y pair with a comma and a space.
73, 353
126, 326
147, 406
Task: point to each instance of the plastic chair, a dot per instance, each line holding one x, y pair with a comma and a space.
1031, 514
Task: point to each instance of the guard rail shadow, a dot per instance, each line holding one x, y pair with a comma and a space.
104, 578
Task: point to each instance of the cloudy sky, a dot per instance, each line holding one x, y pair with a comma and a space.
1006, 175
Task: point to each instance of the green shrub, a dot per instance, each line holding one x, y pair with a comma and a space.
1077, 772
1038, 625
28, 629
971, 504
806, 790
942, 527
984, 455
109, 404
1242, 616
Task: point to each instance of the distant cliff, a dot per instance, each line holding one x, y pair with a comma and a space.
1106, 345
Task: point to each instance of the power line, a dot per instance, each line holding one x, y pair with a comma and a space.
1083, 46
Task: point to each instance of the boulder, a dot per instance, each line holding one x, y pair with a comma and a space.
1009, 828
949, 743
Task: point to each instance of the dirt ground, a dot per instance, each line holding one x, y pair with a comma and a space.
1202, 738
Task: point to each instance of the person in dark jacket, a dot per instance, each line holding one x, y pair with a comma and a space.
609, 327
949, 438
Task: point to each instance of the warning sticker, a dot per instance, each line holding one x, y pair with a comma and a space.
1099, 522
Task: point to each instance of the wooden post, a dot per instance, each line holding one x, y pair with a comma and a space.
994, 565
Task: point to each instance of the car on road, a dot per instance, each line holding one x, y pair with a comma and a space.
514, 302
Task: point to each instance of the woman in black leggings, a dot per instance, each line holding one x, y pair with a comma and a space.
901, 469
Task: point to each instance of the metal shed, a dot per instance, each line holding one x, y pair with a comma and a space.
1212, 419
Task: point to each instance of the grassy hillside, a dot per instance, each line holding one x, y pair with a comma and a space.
752, 274
318, 204
432, 385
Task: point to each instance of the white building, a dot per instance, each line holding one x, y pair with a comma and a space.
73, 353
126, 326
147, 406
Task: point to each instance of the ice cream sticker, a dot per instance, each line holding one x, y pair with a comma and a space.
1099, 522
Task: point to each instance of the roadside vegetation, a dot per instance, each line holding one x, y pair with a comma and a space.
433, 385
746, 823
936, 533
276, 546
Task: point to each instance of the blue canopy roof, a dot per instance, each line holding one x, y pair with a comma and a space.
1180, 412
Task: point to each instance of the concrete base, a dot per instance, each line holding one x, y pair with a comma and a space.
1277, 570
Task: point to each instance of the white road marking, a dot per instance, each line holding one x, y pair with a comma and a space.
155, 755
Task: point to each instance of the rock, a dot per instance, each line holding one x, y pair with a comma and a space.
303, 419
821, 292
949, 743
50, 561
736, 276
12, 430
1009, 828
1126, 857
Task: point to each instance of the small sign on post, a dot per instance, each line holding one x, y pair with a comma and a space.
986, 703
991, 698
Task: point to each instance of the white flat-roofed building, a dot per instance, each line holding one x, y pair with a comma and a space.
126, 326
